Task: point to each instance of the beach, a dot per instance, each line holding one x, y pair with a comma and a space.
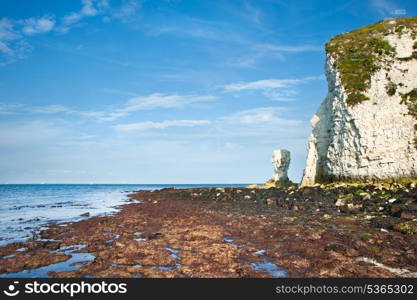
321, 231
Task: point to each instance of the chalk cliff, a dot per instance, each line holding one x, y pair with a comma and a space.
365, 129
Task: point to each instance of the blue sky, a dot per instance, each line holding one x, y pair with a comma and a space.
164, 91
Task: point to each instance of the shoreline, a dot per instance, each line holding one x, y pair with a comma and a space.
232, 232
28, 207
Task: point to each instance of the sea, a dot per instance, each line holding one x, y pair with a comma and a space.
25, 209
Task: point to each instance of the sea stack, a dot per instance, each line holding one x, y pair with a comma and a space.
366, 127
281, 161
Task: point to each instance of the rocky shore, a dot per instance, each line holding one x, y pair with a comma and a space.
334, 230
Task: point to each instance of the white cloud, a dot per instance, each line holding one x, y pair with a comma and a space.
7, 31
274, 89
260, 84
43, 24
287, 95
60, 109
195, 28
51, 109
158, 100
9, 42
271, 51
13, 46
287, 48
18, 133
152, 101
103, 116
189, 31
8, 108
117, 91
5, 49
384, 7
255, 115
82, 137
141, 126
126, 12
89, 8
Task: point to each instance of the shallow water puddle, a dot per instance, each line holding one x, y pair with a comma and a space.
268, 266
229, 239
174, 253
140, 239
168, 268
260, 252
115, 235
71, 264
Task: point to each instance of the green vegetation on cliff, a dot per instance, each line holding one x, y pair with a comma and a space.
410, 99
360, 53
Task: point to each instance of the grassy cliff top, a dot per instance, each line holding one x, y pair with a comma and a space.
362, 52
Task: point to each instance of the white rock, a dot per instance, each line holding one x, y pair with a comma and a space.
281, 160
370, 140
340, 202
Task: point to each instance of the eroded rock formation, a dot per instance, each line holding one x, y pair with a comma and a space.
281, 161
365, 129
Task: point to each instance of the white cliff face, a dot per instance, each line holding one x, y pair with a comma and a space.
281, 161
373, 139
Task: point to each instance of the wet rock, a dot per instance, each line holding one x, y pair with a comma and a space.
253, 186
351, 208
340, 202
396, 209
87, 214
271, 201
408, 215
152, 235
307, 191
386, 222
409, 227
335, 247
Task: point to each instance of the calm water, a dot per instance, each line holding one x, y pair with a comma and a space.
24, 208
